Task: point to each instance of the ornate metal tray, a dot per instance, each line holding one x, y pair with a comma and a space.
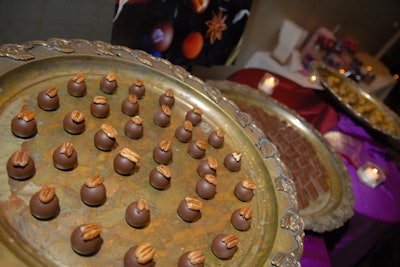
275, 237
333, 207
363, 107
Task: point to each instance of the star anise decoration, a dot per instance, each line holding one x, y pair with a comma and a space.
216, 26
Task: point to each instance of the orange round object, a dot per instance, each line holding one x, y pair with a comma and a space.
192, 45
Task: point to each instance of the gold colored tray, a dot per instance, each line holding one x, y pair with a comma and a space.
276, 235
330, 210
363, 107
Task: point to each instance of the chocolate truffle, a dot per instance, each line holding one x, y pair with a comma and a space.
244, 190
189, 209
134, 128
137, 88
20, 166
233, 161
24, 124
86, 239
109, 83
206, 187
241, 218
137, 214
162, 117
99, 107
160, 177
197, 149
140, 256
130, 105
216, 138
125, 162
77, 85
162, 154
65, 157
74, 122
167, 98
194, 258
184, 132
93, 191
194, 116
44, 205
224, 246
48, 99
207, 166
105, 138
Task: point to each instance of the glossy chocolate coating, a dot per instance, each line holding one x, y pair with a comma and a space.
100, 110
21, 173
193, 117
76, 89
216, 141
22, 128
158, 180
63, 162
185, 262
187, 214
73, 127
205, 189
138, 90
204, 168
130, 109
93, 196
131, 261
220, 249
231, 163
123, 165
108, 87
103, 142
46, 102
85, 247
166, 100
240, 222
135, 217
44, 211
133, 130
161, 119
194, 151
162, 157
183, 135
242, 193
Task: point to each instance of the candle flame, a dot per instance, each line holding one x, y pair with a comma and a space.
375, 170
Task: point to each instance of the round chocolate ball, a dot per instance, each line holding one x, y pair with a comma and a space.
93, 191
216, 138
160, 177
167, 98
162, 154
20, 166
189, 209
241, 218
24, 124
197, 149
137, 88
207, 166
86, 239
162, 117
184, 132
224, 246
74, 122
244, 190
99, 107
194, 116
109, 83
134, 128
125, 162
105, 138
192, 259
44, 205
130, 105
48, 99
65, 157
77, 85
137, 214
233, 161
206, 187
140, 256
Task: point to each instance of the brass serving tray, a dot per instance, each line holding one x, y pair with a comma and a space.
275, 238
363, 107
330, 210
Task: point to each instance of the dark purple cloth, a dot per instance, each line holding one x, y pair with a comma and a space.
315, 252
